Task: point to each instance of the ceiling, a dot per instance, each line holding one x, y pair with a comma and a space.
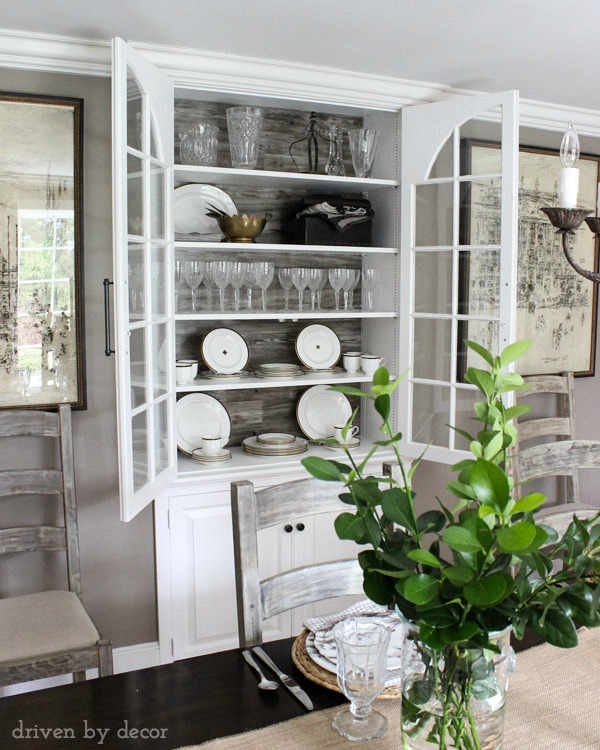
549, 50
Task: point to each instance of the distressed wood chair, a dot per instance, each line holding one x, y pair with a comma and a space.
46, 633
254, 510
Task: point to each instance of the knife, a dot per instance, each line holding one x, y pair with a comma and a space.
288, 681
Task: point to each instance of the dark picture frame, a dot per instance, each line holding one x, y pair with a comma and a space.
42, 362
556, 307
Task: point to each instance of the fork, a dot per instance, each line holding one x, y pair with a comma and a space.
264, 683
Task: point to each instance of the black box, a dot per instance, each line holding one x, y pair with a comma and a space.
316, 230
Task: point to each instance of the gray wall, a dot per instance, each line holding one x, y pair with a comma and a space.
117, 558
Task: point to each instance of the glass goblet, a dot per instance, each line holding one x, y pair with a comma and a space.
349, 284
220, 273
209, 284
264, 277
363, 146
249, 281
285, 279
370, 277
336, 279
179, 281
361, 645
316, 277
300, 281
193, 271
236, 279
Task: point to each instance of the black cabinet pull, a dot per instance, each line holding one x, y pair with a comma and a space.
108, 350
300, 526
288, 528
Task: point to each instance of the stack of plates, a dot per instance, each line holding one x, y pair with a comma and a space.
279, 370
199, 455
274, 444
224, 375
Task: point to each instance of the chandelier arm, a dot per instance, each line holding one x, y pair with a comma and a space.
591, 275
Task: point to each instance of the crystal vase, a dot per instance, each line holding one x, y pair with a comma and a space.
453, 698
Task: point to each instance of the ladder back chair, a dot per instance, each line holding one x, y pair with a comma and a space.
552, 449
254, 510
46, 633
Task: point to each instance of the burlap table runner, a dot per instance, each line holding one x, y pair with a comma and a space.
553, 704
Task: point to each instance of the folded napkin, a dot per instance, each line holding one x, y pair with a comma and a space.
364, 607
341, 217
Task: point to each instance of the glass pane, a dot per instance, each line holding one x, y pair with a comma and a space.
141, 468
479, 284
136, 282
137, 360
158, 278
480, 212
160, 360
135, 195
464, 419
153, 140
484, 332
157, 202
480, 143
443, 165
433, 282
432, 343
161, 451
433, 214
134, 113
431, 405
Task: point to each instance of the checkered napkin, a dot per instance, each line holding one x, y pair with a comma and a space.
364, 607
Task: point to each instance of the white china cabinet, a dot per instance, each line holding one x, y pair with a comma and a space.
435, 289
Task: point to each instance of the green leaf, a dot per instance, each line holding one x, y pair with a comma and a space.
482, 379
458, 575
378, 588
514, 351
397, 507
381, 377
490, 484
516, 538
458, 634
350, 526
383, 406
529, 502
461, 539
431, 521
518, 410
421, 588
424, 557
350, 390
324, 469
482, 351
556, 628
488, 591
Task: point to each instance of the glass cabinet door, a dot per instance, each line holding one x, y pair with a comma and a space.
458, 259
143, 258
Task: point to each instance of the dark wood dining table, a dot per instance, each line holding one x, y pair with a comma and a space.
164, 707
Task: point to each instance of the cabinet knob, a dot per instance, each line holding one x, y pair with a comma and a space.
288, 528
300, 526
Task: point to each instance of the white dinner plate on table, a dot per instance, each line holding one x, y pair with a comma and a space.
199, 415
318, 347
225, 351
319, 410
190, 204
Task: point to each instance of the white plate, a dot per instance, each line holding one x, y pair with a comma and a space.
225, 351
319, 410
190, 204
251, 445
318, 347
354, 442
198, 415
275, 438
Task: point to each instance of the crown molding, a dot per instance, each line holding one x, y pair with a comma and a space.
215, 71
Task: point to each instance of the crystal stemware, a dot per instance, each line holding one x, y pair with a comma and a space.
300, 281
193, 271
316, 277
361, 645
264, 277
179, 281
363, 146
336, 279
285, 279
236, 279
220, 274
209, 284
349, 285
249, 281
370, 277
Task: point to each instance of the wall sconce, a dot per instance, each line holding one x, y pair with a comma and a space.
566, 217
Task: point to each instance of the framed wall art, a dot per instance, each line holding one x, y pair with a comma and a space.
41, 311
556, 306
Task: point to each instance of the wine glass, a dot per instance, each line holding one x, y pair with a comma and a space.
220, 273
264, 277
362, 645
236, 279
300, 281
349, 285
193, 271
209, 284
249, 281
316, 277
179, 281
336, 279
285, 279
363, 146
370, 277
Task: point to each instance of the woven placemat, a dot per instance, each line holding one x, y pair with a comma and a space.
322, 676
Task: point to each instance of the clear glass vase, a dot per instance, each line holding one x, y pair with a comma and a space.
453, 698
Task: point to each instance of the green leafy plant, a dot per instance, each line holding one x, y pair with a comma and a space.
464, 572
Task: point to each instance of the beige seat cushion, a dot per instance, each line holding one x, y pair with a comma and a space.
43, 624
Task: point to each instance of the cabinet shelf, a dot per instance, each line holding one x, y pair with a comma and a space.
308, 379
228, 176
273, 247
283, 315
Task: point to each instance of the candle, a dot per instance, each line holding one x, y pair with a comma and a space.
569, 174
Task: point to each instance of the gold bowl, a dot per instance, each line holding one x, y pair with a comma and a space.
242, 228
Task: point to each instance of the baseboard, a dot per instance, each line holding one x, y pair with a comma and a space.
125, 659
